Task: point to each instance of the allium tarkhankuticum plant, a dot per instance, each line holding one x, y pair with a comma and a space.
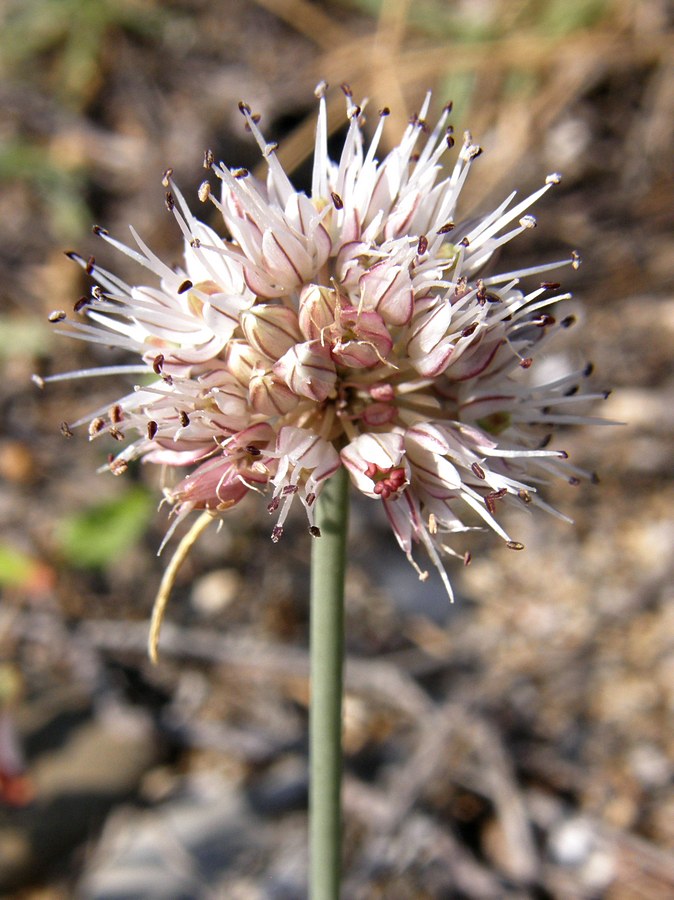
358, 326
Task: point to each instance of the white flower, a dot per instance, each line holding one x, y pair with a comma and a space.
359, 325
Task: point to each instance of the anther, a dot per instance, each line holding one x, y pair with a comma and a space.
468, 330
572, 390
310, 499
554, 178
588, 370
385, 111
346, 89
184, 418
449, 140
446, 228
116, 414
118, 466
158, 363
289, 489
204, 191
170, 202
91, 264
514, 545
166, 177
575, 259
526, 362
97, 230
66, 430
273, 505
314, 531
568, 321
594, 478
573, 481
276, 533
528, 222
96, 426
195, 243
448, 107
422, 245
464, 242
56, 315
478, 471
337, 201
253, 451
209, 159
524, 496
269, 149
81, 303
185, 286
490, 499
152, 429
244, 108
320, 90
97, 292
116, 434
467, 557
550, 285
240, 173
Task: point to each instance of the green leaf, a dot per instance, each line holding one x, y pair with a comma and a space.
103, 533
16, 568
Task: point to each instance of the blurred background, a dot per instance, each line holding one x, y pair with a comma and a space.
518, 744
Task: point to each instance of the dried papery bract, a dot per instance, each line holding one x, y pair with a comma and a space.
361, 325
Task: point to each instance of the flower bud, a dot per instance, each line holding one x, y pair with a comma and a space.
242, 361
308, 370
387, 289
271, 330
317, 310
270, 396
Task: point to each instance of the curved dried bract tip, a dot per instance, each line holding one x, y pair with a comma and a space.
168, 580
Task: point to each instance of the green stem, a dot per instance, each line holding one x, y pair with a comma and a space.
328, 562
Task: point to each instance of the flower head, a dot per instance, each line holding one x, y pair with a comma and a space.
359, 325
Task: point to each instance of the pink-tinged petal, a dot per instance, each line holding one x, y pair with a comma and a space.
405, 519
428, 437
214, 484
285, 258
376, 415
435, 362
350, 231
430, 323
473, 362
349, 265
301, 213
387, 289
398, 220
263, 285
308, 370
